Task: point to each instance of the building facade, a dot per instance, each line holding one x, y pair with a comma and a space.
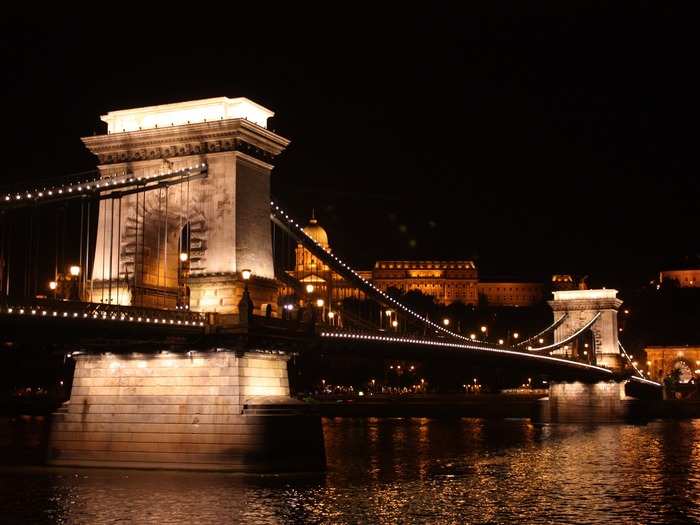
687, 278
662, 360
513, 293
447, 281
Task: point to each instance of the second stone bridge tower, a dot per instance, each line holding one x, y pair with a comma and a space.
185, 243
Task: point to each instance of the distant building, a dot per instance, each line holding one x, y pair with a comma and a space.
511, 293
688, 278
662, 360
563, 282
446, 281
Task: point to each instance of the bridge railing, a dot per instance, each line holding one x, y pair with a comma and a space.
101, 311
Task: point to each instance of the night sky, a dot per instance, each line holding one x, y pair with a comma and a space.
537, 139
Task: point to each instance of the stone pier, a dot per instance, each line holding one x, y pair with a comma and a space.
576, 402
218, 410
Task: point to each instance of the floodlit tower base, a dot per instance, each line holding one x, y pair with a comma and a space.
218, 410
602, 402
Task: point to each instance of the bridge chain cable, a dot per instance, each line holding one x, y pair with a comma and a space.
293, 228
288, 224
100, 186
568, 339
445, 344
551, 327
631, 362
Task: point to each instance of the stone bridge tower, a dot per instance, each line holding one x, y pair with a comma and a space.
580, 307
220, 221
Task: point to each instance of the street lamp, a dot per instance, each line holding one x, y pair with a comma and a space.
183, 257
516, 335
320, 303
245, 307
395, 323
53, 285
483, 329
472, 336
74, 271
309, 288
446, 321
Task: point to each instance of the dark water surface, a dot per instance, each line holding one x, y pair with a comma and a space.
402, 471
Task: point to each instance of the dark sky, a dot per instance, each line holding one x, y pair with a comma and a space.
538, 139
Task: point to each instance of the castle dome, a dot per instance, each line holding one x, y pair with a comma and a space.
316, 232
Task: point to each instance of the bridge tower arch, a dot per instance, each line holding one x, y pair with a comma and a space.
579, 308
228, 207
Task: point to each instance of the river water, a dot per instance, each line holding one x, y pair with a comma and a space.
402, 470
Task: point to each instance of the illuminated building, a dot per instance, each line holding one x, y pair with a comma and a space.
688, 278
446, 281
662, 360
511, 293
309, 270
563, 282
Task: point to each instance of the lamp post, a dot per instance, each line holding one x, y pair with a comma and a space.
74, 272
321, 304
245, 307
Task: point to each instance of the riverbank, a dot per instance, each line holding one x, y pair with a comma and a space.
488, 406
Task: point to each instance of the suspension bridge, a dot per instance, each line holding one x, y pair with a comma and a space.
161, 273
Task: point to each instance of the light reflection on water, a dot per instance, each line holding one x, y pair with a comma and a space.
402, 471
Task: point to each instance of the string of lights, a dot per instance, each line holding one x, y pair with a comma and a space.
95, 185
631, 362
568, 339
417, 341
341, 267
124, 315
551, 327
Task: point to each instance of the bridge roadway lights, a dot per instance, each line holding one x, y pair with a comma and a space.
215, 410
578, 402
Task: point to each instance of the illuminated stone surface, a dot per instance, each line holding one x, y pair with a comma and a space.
581, 306
136, 258
601, 402
199, 411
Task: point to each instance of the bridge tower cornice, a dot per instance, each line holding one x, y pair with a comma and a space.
187, 139
585, 304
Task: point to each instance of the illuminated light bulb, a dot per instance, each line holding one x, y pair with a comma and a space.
53, 285
183, 257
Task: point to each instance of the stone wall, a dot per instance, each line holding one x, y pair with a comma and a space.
184, 411
577, 402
